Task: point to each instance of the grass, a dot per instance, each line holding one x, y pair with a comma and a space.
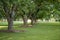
40, 31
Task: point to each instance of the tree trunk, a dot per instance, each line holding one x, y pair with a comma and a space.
10, 23
33, 21
25, 20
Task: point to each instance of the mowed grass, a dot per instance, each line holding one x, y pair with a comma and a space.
40, 31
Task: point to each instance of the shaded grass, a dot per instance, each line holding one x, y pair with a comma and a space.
40, 31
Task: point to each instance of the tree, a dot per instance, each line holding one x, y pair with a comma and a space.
9, 7
43, 5
25, 7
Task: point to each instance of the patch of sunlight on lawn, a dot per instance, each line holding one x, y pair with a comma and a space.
2, 27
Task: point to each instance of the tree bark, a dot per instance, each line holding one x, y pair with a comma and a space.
10, 24
33, 21
25, 20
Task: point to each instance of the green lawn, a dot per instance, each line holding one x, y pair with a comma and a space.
41, 31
